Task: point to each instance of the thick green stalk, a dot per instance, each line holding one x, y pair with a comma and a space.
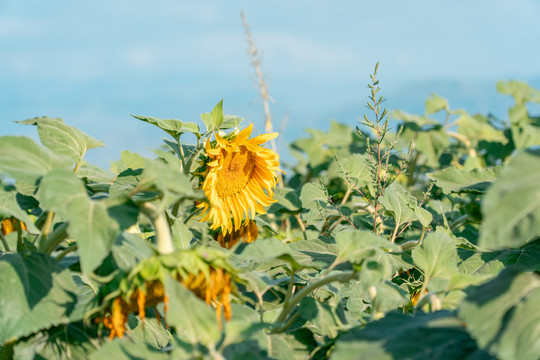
163, 232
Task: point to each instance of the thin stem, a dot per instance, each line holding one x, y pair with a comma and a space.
290, 289
181, 153
394, 234
302, 225
163, 232
347, 194
290, 306
4, 242
18, 227
69, 249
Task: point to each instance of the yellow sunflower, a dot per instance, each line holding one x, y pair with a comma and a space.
239, 181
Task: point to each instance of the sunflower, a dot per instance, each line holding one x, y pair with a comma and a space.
239, 180
247, 233
9, 225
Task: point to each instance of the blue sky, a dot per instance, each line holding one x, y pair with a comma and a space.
94, 63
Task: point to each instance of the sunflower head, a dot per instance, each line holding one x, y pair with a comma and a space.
239, 180
247, 233
9, 225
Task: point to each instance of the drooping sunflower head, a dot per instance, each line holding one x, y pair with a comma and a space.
247, 233
239, 180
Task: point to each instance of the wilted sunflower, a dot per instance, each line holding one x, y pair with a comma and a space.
8, 225
247, 233
239, 172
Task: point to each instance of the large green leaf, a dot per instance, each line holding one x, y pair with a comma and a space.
438, 335
403, 206
192, 318
62, 138
36, 294
511, 207
503, 315
26, 161
89, 223
452, 179
436, 256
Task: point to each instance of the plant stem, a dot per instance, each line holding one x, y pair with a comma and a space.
290, 306
163, 232
290, 289
4, 242
302, 225
50, 243
46, 229
70, 248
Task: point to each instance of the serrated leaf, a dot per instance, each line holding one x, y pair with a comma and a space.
173, 127
36, 294
231, 121
62, 138
503, 315
214, 120
312, 193
443, 337
452, 179
403, 206
26, 161
89, 223
511, 207
436, 256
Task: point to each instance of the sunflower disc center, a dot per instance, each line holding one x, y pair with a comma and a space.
235, 173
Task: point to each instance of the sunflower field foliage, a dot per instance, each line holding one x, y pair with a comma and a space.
406, 237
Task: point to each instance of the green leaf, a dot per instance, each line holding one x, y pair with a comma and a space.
357, 245
231, 121
129, 160
452, 179
356, 167
312, 193
503, 315
122, 349
519, 90
287, 201
511, 207
36, 294
478, 128
89, 222
62, 138
493, 262
435, 103
26, 161
129, 249
173, 127
438, 335
192, 318
214, 120
403, 206
436, 256
9, 207
158, 176
64, 342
